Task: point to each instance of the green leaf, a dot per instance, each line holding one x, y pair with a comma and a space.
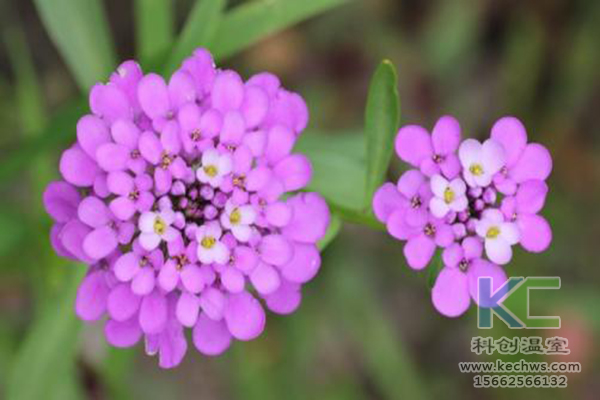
153, 29
79, 30
335, 225
199, 30
59, 131
338, 166
49, 348
435, 266
382, 117
253, 21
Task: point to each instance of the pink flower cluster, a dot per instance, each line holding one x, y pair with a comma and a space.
176, 196
469, 199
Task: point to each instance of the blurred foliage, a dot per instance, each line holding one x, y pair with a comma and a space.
366, 328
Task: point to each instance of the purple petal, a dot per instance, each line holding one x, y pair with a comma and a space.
110, 102
304, 264
233, 128
192, 279
78, 168
90, 303
410, 182
61, 201
122, 303
125, 133
294, 170
123, 334
280, 141
150, 147
228, 91
397, 226
72, 236
254, 106
91, 133
275, 250
531, 196
511, 134
244, 316
418, 251
245, 259
211, 337
413, 144
387, 199
450, 294
112, 157
213, 302
188, 307
127, 266
143, 282
265, 279
93, 212
181, 89
535, 163
100, 242
153, 313
153, 96
284, 300
536, 234
445, 136
480, 268
310, 218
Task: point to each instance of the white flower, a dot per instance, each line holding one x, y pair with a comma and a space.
156, 227
210, 248
498, 234
214, 167
238, 219
480, 161
447, 196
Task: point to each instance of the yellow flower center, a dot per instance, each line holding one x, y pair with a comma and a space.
492, 232
476, 169
235, 217
211, 170
159, 226
208, 242
448, 195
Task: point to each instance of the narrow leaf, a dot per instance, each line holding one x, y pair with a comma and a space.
49, 347
199, 30
382, 117
335, 225
153, 29
253, 21
80, 31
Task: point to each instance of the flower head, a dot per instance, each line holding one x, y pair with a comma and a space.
176, 196
486, 197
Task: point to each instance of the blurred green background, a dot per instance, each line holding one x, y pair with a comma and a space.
366, 328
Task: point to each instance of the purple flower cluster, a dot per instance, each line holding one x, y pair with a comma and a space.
176, 196
469, 199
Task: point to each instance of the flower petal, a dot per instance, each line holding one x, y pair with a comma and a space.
536, 234
418, 251
511, 134
535, 163
211, 337
450, 294
90, 302
100, 242
413, 144
122, 303
153, 313
244, 316
445, 136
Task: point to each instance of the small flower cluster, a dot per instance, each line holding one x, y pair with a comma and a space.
176, 196
467, 198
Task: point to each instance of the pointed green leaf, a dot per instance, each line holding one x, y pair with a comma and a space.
335, 225
199, 30
255, 20
382, 118
154, 29
49, 348
79, 30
